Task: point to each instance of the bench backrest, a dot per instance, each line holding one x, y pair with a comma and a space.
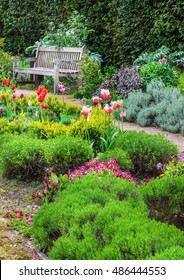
46, 55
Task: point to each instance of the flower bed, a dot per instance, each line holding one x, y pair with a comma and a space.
99, 181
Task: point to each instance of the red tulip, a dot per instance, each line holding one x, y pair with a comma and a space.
6, 82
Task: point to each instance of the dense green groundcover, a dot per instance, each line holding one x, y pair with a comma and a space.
103, 217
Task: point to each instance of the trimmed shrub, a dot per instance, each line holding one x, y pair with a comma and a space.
28, 157
123, 158
101, 218
66, 152
22, 157
173, 253
145, 151
164, 197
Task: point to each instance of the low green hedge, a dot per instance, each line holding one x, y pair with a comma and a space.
23, 156
101, 217
145, 151
164, 196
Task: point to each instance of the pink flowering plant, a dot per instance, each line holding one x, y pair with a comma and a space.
52, 184
20, 220
98, 167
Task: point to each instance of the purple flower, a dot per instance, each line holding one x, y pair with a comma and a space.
181, 157
159, 165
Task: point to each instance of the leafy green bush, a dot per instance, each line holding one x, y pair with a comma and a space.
164, 196
145, 150
64, 153
23, 157
172, 253
181, 83
101, 218
157, 71
122, 157
172, 58
91, 78
27, 157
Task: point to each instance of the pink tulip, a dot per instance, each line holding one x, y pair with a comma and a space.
123, 113
86, 111
108, 109
117, 104
96, 99
105, 93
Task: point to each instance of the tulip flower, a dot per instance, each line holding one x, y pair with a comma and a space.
13, 87
3, 96
6, 82
123, 113
86, 111
96, 99
105, 93
117, 104
21, 96
108, 109
13, 96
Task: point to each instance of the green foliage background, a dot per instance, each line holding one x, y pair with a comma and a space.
122, 29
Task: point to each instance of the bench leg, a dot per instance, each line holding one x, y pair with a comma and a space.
56, 78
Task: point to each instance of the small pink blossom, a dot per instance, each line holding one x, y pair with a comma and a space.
163, 60
14, 96
123, 113
61, 88
21, 96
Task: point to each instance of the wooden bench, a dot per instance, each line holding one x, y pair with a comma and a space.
52, 61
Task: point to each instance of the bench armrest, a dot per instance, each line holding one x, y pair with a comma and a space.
16, 59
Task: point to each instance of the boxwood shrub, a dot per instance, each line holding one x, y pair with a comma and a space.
101, 217
145, 150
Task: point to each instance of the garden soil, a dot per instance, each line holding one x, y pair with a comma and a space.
15, 246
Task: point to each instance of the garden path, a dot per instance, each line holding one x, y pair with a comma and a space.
176, 138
